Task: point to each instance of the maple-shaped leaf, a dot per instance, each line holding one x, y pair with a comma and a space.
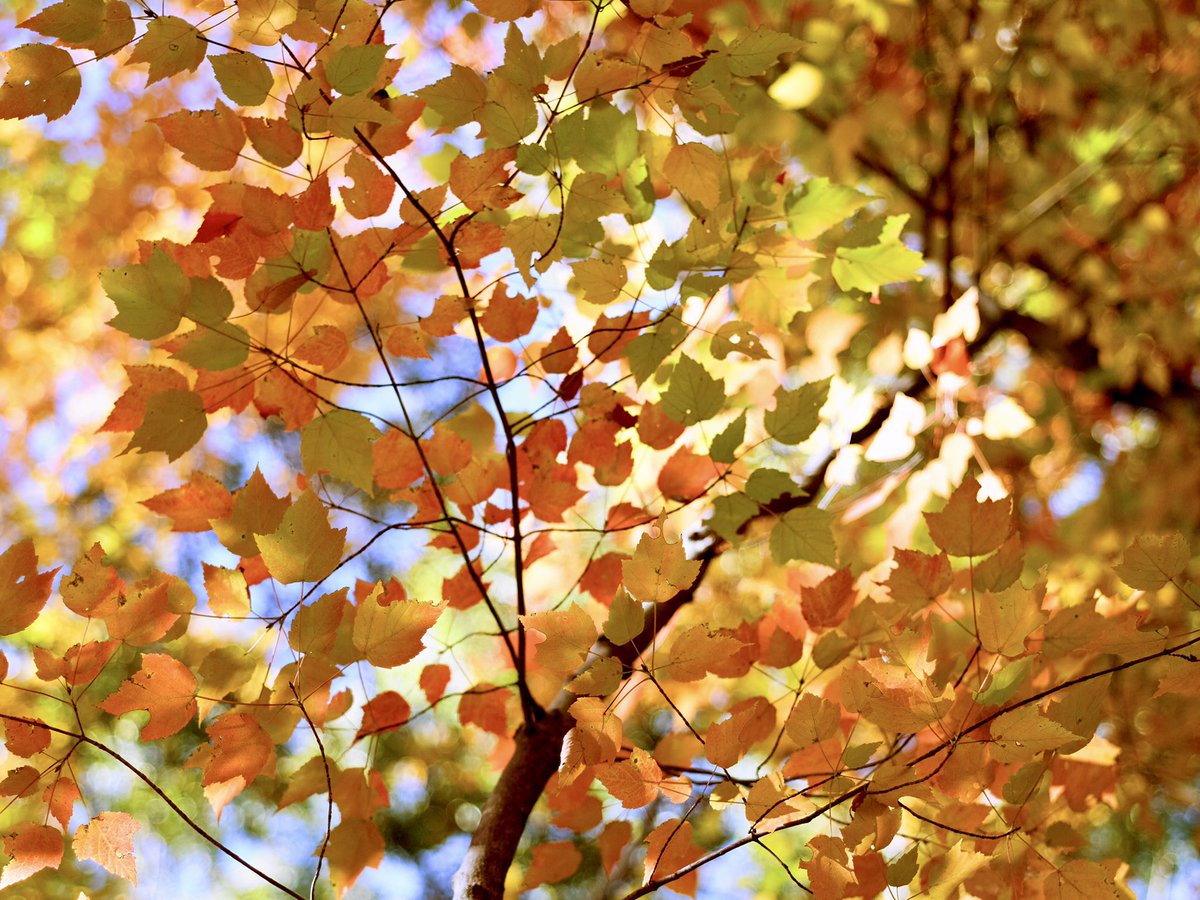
388, 630
151, 297
697, 172
813, 719
339, 442
755, 52
697, 651
165, 688
727, 741
193, 505
669, 847
256, 512
1005, 619
108, 841
693, 395
797, 413
919, 578
486, 706
1085, 879
79, 665
509, 316
170, 45
869, 268
25, 590
569, 633
25, 739
241, 750
41, 80
633, 781
210, 140
395, 460
1019, 736
827, 603
481, 182
553, 861
93, 586
970, 527
174, 422
806, 534
228, 593
30, 848
383, 712
658, 570
821, 206
328, 346
352, 69
354, 845
305, 547
1153, 560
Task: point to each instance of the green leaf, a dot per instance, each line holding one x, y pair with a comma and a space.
647, 351
626, 618
456, 98
174, 422
609, 140
150, 296
509, 113
245, 79
754, 53
797, 413
305, 547
354, 69
725, 445
214, 349
729, 513
693, 395
1153, 560
738, 337
765, 485
339, 443
170, 45
821, 206
1004, 683
805, 534
868, 268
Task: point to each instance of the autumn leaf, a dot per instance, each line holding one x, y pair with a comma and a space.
552, 862
26, 590
967, 526
383, 712
658, 570
827, 603
389, 631
170, 45
304, 547
1153, 560
165, 688
108, 841
30, 849
41, 80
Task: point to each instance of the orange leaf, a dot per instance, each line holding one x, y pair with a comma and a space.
687, 475
31, 848
165, 688
108, 840
669, 848
827, 604
509, 316
25, 590
372, 191
354, 845
485, 706
25, 739
60, 798
191, 506
970, 527
327, 347
384, 712
434, 679
612, 842
388, 631
659, 570
396, 462
552, 861
480, 182
241, 750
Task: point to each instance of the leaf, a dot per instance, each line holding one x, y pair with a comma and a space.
821, 206
30, 848
696, 172
797, 413
869, 268
25, 590
388, 631
245, 79
626, 619
805, 533
738, 337
353, 69
754, 53
354, 845
41, 81
658, 570
827, 604
108, 841
241, 750
170, 45
174, 422
383, 712
693, 395
1019, 736
553, 861
481, 182
304, 547
165, 688
434, 679
812, 720
150, 296
71, 21
1153, 560
970, 527
193, 505
726, 445
1006, 619
210, 140
339, 443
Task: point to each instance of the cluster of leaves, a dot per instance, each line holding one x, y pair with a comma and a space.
522, 323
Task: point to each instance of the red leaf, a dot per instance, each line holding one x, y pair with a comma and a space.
384, 712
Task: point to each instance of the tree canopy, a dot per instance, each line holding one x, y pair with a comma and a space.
599, 449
